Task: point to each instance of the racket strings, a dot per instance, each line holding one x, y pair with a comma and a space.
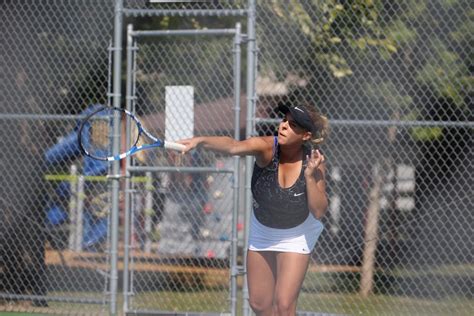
97, 133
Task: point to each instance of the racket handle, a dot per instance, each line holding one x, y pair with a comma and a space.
174, 146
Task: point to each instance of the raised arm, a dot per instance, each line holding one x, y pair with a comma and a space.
260, 147
316, 184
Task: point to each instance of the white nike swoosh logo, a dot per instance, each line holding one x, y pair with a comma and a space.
298, 194
297, 108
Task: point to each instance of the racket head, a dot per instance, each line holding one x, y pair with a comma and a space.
95, 133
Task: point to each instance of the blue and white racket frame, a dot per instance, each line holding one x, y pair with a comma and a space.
157, 143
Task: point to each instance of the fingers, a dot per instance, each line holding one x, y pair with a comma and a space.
188, 148
315, 159
313, 162
188, 143
320, 157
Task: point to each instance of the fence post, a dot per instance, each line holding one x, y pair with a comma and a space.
79, 214
72, 208
251, 95
117, 62
148, 211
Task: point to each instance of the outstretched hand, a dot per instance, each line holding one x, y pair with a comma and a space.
313, 162
190, 144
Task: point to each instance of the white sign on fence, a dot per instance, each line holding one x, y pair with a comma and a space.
179, 122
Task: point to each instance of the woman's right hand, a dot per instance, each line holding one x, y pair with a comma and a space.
190, 143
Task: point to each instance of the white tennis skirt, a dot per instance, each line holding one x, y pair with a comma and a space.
299, 239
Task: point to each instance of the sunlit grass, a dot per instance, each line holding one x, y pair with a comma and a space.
322, 292
345, 304
353, 304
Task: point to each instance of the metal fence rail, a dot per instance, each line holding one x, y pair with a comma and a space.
161, 234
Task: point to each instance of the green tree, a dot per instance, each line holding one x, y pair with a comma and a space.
423, 42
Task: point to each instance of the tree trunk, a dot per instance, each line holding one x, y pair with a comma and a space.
371, 232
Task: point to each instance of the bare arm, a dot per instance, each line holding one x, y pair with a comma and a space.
316, 184
260, 147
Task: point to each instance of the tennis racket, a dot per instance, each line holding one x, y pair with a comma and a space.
95, 135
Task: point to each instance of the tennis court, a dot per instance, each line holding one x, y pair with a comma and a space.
155, 232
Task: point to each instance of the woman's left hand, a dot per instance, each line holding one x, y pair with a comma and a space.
315, 184
313, 162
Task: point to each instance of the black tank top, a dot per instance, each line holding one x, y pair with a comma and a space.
274, 206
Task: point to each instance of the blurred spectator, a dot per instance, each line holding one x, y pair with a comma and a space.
94, 221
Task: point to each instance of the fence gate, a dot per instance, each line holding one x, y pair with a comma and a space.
181, 211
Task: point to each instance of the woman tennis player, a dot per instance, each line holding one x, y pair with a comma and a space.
289, 198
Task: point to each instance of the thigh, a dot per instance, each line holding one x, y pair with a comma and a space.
261, 271
291, 270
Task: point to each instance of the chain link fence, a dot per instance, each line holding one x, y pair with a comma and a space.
396, 81
394, 78
184, 85
54, 63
